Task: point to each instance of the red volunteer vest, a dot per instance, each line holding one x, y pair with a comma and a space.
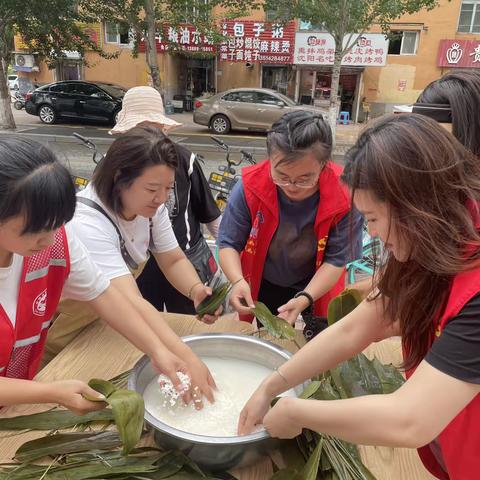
42, 280
262, 201
460, 440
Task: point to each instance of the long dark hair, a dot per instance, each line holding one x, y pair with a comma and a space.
126, 159
33, 183
428, 179
460, 90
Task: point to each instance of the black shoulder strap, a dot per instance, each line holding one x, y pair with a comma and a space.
123, 249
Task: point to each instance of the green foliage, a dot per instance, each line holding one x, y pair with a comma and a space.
275, 326
49, 27
343, 304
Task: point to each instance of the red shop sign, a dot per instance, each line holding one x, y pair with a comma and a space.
257, 42
459, 54
185, 37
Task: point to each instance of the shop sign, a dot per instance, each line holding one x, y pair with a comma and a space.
319, 49
257, 42
459, 53
187, 38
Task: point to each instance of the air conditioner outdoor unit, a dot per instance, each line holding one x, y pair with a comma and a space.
24, 60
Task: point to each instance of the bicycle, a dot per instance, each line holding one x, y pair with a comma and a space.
97, 157
225, 179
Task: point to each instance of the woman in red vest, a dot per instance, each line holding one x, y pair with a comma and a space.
284, 238
40, 261
419, 189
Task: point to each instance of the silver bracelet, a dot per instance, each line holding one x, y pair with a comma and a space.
281, 374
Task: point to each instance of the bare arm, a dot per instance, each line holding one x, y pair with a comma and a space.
68, 393
232, 268
200, 375
322, 282
343, 340
122, 316
406, 418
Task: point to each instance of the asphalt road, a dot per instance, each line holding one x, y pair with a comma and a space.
196, 138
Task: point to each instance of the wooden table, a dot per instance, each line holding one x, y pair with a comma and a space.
100, 352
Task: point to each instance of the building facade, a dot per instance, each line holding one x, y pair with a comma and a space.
293, 58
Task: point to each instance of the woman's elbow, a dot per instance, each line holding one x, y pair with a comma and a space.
416, 432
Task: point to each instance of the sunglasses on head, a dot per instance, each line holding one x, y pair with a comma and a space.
442, 113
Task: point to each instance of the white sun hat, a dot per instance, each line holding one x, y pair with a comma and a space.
142, 104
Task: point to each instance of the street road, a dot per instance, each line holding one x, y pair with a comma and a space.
195, 137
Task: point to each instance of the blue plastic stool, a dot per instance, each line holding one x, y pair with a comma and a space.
344, 118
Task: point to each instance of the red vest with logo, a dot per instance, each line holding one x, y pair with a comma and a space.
41, 284
262, 201
460, 440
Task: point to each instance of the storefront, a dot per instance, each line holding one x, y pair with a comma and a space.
258, 54
313, 59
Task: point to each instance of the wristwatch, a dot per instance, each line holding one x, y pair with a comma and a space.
307, 295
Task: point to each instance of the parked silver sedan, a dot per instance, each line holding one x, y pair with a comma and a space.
253, 109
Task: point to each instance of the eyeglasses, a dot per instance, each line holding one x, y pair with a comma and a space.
299, 184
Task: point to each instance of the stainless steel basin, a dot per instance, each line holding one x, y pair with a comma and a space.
216, 453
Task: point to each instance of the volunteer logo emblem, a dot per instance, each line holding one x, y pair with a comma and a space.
40, 304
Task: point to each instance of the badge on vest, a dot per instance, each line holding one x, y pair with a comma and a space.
40, 304
250, 247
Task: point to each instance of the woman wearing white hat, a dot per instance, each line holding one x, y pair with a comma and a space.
190, 204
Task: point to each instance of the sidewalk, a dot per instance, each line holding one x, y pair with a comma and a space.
346, 135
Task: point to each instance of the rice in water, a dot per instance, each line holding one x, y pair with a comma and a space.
236, 381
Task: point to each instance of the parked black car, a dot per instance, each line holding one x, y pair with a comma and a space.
76, 99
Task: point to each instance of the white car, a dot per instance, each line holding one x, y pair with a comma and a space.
13, 82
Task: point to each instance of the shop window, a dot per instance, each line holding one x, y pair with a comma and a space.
116, 33
403, 43
469, 20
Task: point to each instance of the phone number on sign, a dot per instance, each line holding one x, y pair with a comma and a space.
273, 58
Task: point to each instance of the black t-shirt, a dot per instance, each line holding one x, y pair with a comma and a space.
191, 201
457, 351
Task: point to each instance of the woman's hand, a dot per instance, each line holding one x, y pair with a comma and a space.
292, 309
169, 364
203, 383
241, 297
254, 410
198, 294
70, 394
280, 420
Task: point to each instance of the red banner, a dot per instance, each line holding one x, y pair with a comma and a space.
186, 38
459, 54
257, 42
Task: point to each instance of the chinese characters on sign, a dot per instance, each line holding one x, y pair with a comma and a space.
186, 38
257, 42
459, 54
319, 49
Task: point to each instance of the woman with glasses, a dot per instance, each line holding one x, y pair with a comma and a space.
285, 236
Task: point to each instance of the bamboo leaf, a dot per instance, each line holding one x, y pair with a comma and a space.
275, 326
210, 304
66, 443
310, 470
58, 419
310, 390
390, 377
286, 474
343, 304
128, 411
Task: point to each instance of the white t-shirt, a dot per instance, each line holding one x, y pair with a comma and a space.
84, 282
101, 239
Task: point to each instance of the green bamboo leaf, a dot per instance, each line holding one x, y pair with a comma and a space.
343, 304
128, 410
275, 326
310, 470
326, 390
293, 456
66, 443
57, 419
310, 390
210, 304
390, 377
